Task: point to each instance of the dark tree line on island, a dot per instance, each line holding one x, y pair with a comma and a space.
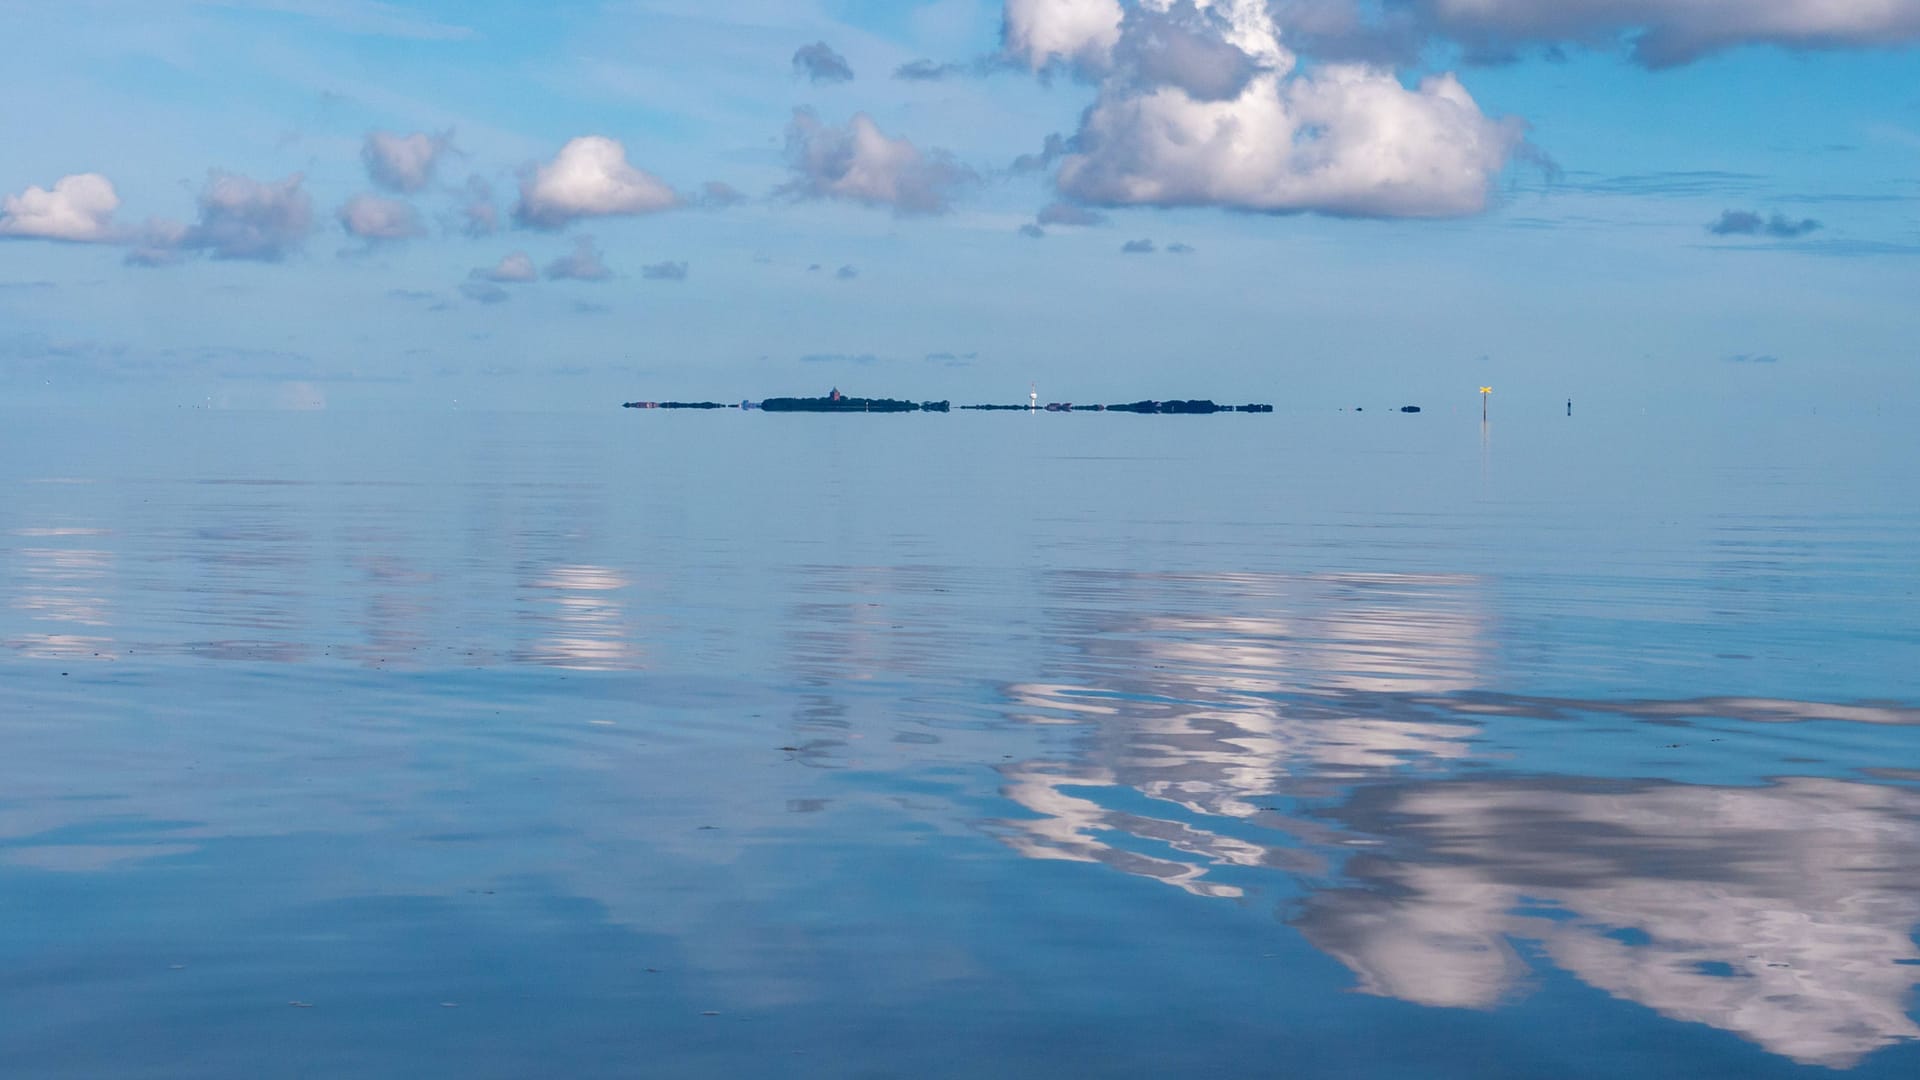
836, 402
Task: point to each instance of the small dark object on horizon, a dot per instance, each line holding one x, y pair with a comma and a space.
1409, 408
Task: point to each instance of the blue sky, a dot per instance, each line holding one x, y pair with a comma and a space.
285, 203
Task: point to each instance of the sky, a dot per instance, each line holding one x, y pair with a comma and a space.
366, 204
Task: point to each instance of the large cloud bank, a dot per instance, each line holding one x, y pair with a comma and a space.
589, 177
1668, 32
1201, 104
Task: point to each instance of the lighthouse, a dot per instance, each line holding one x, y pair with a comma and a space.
1033, 397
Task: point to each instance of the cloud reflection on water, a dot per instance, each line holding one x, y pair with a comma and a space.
1192, 688
275, 578
1784, 914
582, 620
1781, 913
66, 587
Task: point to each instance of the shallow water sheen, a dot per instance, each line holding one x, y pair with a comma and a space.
1348, 745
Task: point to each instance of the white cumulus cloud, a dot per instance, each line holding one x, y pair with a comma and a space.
1041, 32
862, 164
371, 217
1348, 140
589, 177
478, 215
1199, 103
78, 209
403, 163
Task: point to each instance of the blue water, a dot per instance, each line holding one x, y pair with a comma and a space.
1312, 744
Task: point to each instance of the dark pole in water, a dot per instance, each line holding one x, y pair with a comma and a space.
1484, 391
1569, 406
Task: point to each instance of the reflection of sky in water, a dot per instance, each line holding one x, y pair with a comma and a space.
63, 587
582, 622
1214, 712
1783, 913
292, 571
881, 758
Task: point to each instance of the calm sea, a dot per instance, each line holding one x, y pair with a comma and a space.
1337, 744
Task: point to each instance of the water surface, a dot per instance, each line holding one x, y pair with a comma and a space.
973, 745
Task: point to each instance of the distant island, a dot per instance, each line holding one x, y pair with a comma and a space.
836, 402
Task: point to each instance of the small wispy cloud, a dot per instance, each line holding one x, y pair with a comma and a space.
1749, 223
664, 271
718, 195
925, 71
1669, 182
404, 163
583, 263
513, 269
1065, 213
818, 63
485, 292
478, 215
376, 219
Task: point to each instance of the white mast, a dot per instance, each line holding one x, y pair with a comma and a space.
1033, 397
